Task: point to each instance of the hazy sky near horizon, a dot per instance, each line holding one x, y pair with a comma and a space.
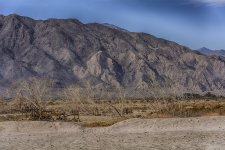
194, 23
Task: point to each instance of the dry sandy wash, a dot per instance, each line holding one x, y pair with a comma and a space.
191, 133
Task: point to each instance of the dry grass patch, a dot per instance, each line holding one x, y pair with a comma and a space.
189, 108
100, 113
99, 121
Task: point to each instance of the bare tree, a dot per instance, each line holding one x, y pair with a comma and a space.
33, 94
75, 103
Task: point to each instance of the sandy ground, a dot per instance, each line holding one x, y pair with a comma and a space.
206, 133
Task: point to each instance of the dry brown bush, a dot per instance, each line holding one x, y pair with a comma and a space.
90, 101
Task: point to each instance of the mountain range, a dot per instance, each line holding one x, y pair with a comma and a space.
70, 52
210, 52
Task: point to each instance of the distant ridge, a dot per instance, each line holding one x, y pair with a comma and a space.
210, 52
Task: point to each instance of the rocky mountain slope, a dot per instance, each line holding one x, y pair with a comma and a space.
70, 52
210, 52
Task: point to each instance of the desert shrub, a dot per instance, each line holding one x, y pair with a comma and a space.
191, 96
209, 95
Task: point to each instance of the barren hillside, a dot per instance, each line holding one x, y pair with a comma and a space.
71, 52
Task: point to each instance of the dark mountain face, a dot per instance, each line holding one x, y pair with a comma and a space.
210, 52
70, 52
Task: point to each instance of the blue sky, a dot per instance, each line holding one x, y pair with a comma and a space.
194, 23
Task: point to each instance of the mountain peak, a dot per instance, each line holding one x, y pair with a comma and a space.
10, 16
204, 48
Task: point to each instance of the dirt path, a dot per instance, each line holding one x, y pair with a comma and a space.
206, 133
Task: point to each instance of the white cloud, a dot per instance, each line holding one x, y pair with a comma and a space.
212, 2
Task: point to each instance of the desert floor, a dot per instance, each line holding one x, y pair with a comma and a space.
164, 134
